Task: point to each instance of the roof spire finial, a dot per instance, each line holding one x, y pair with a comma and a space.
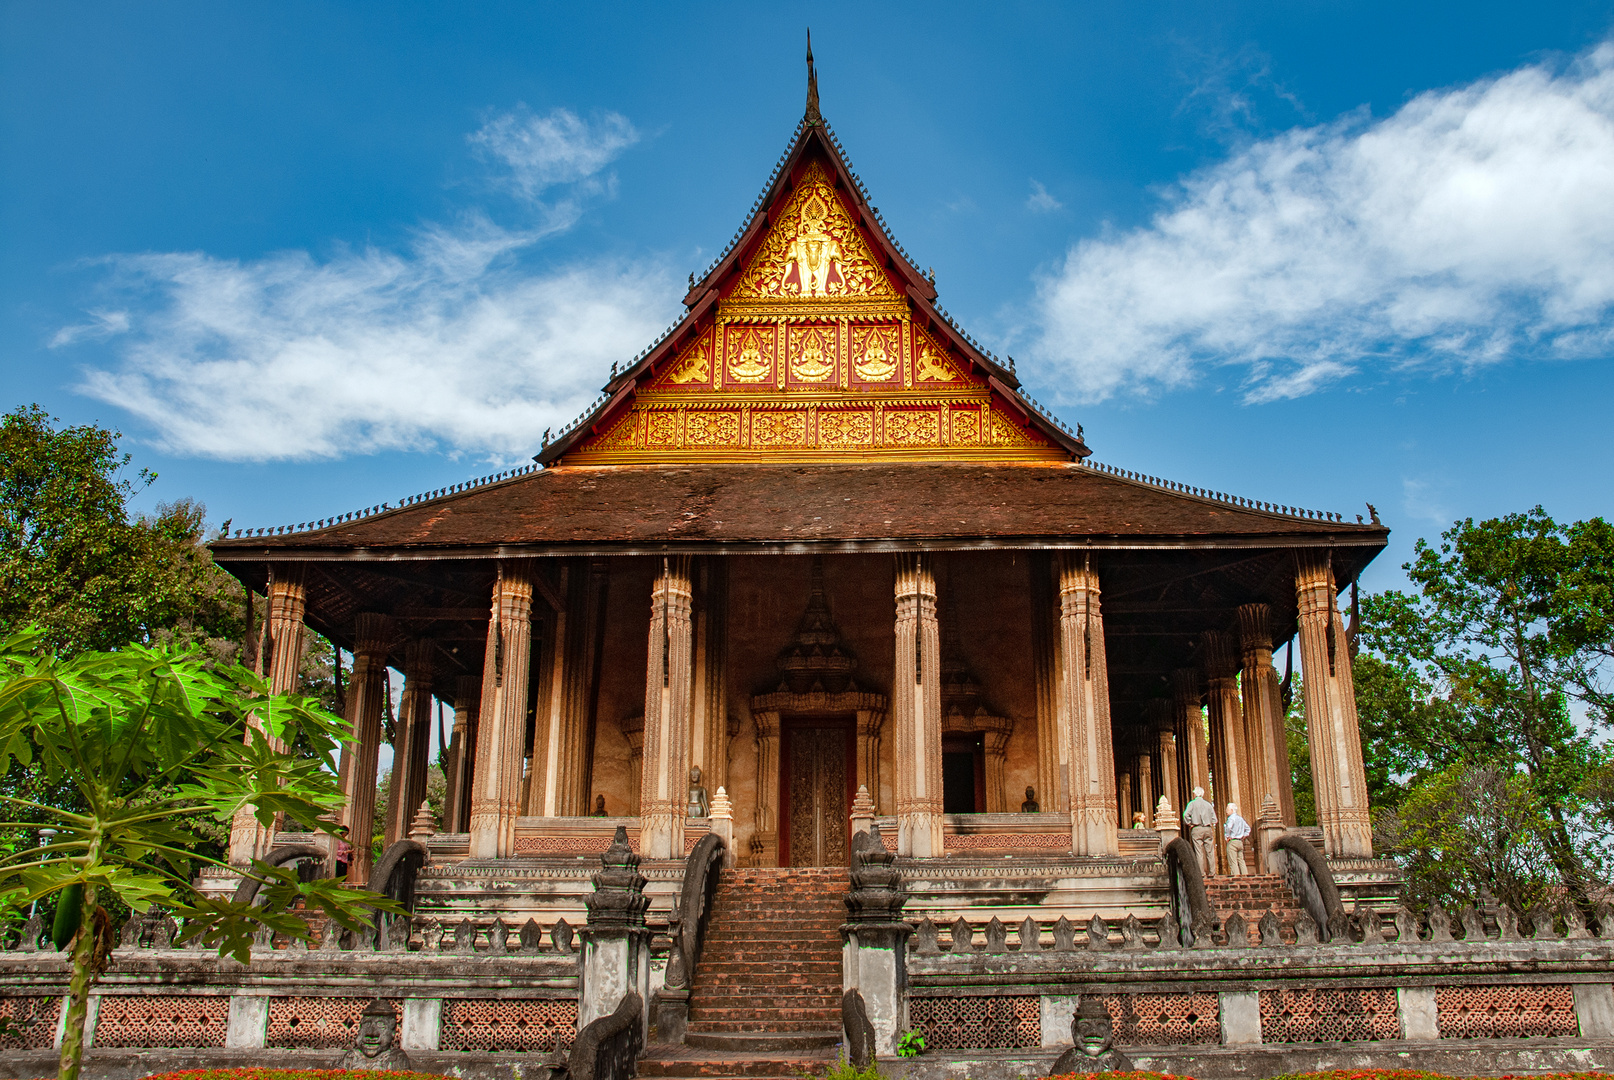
813, 115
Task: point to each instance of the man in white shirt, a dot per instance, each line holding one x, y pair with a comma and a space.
1235, 831
1200, 817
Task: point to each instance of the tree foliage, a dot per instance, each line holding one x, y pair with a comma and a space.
148, 737
1471, 684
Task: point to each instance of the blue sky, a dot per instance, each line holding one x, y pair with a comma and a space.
310, 257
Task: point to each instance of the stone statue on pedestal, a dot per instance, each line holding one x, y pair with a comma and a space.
1030, 805
372, 1046
599, 806
1092, 1035
699, 804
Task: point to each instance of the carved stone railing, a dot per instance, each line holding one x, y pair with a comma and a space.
687, 937
1190, 905
609, 1048
1309, 876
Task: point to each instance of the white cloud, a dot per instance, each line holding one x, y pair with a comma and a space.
452, 344
1472, 226
555, 149
103, 324
1040, 202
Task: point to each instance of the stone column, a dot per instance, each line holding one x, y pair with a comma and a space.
875, 937
1230, 762
767, 808
281, 661
1087, 704
1123, 799
916, 710
1331, 725
467, 698
502, 716
578, 681
544, 794
664, 791
1165, 744
1053, 726
1263, 711
412, 746
709, 730
633, 732
357, 774
1146, 793
996, 740
869, 723
616, 941
1193, 753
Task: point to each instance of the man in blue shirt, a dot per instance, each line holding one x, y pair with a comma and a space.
1235, 830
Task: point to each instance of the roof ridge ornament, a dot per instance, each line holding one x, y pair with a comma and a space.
813, 117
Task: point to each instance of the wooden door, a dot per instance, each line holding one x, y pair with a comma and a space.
817, 799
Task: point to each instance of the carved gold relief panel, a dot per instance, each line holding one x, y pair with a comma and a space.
966, 427
694, 366
876, 355
776, 429
813, 250
814, 353
932, 366
710, 429
912, 427
845, 429
748, 354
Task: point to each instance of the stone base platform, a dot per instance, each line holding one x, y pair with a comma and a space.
1487, 1057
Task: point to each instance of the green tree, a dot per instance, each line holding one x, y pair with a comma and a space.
148, 737
75, 563
1480, 665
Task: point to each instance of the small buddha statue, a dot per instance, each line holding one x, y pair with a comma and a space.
1030, 805
699, 804
1092, 1035
599, 806
372, 1046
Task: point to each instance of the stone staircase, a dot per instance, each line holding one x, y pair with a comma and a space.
766, 999
1252, 895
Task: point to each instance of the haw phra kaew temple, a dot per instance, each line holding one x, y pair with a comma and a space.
879, 701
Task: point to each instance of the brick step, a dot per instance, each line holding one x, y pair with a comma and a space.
760, 1021
746, 969
717, 1065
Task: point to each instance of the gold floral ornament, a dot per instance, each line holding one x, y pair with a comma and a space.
811, 357
748, 363
813, 251
875, 360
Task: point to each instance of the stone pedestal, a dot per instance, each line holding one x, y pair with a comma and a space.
721, 822
874, 954
616, 941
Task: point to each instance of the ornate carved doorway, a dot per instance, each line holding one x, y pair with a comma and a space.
816, 795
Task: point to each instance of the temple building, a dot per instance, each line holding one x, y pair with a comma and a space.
817, 541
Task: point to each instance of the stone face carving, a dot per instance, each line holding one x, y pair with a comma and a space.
1092, 1036
1439, 924
996, 937
1098, 934
1369, 924
1131, 933
1064, 935
1473, 924
1237, 931
372, 1045
963, 937
1271, 930
924, 939
1305, 930
1406, 926
1030, 935
1170, 933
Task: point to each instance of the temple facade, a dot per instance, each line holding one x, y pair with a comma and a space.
818, 543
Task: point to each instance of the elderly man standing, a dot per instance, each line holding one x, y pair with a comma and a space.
1235, 831
1200, 817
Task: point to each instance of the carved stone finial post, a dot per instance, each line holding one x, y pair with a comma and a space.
616, 942
877, 938
862, 810
1166, 822
424, 826
720, 820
